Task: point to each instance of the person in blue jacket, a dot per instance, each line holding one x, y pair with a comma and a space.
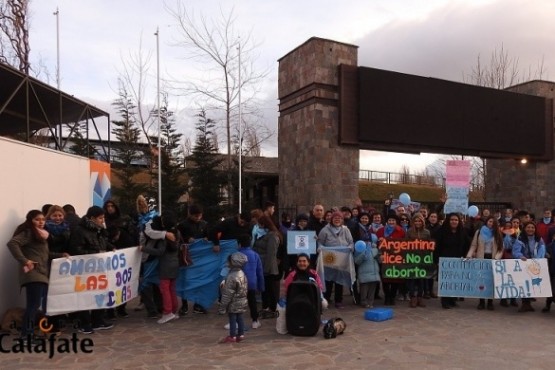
255, 276
528, 245
368, 274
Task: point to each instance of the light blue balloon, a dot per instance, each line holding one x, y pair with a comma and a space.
404, 198
360, 246
472, 211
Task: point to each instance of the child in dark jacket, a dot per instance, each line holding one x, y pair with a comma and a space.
255, 276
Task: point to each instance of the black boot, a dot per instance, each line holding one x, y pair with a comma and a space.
547, 307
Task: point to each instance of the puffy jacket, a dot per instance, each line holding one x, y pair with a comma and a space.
234, 292
368, 266
253, 269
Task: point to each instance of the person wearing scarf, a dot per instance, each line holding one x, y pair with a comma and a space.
487, 243
394, 231
416, 287
29, 247
528, 245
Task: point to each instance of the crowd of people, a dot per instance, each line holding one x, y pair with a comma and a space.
261, 263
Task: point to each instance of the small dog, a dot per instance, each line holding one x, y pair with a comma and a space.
334, 327
12, 320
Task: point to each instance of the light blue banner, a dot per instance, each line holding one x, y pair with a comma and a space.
471, 278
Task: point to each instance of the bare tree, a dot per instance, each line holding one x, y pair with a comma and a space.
222, 52
502, 71
14, 34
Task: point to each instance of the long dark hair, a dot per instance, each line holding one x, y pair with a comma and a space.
28, 225
267, 223
497, 237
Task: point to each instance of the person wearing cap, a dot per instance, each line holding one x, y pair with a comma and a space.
335, 234
391, 230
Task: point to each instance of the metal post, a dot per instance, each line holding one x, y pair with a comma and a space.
159, 120
240, 131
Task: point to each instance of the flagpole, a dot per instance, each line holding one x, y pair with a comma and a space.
159, 120
240, 132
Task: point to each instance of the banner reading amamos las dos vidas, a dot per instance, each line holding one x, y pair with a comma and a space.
93, 281
407, 258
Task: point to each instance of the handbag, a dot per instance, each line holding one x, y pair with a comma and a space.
185, 256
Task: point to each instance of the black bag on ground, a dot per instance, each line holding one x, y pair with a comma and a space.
304, 307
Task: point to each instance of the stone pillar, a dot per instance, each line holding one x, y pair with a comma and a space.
313, 167
529, 186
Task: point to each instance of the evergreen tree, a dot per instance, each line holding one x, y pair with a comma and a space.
172, 160
127, 154
81, 145
206, 175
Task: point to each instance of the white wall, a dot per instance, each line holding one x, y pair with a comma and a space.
33, 176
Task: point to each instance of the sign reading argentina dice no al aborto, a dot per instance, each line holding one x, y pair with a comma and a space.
93, 281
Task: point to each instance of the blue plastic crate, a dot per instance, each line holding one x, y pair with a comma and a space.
378, 314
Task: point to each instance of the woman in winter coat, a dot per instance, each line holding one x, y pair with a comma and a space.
268, 239
529, 245
168, 263
487, 243
234, 297
451, 241
391, 230
417, 286
335, 234
29, 247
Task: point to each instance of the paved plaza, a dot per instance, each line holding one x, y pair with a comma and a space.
416, 338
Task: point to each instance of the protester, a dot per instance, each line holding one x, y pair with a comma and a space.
391, 230
335, 234
487, 243
29, 247
234, 300
416, 287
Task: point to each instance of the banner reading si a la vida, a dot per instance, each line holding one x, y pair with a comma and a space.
93, 281
515, 278
407, 258
481, 278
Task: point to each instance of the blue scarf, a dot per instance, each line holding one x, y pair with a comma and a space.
56, 229
377, 226
486, 234
260, 232
365, 230
388, 230
336, 230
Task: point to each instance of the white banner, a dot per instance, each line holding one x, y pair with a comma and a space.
93, 281
514, 278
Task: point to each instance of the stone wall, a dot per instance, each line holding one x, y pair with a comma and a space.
313, 168
529, 186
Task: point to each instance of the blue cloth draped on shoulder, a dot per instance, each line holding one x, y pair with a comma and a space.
200, 282
336, 264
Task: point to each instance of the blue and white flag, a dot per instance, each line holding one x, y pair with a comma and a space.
200, 282
336, 264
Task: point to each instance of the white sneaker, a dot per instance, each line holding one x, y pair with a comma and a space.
166, 317
175, 316
324, 304
256, 324
226, 326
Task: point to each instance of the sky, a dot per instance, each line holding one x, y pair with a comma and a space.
433, 38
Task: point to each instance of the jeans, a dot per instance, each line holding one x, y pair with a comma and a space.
253, 308
236, 324
35, 294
